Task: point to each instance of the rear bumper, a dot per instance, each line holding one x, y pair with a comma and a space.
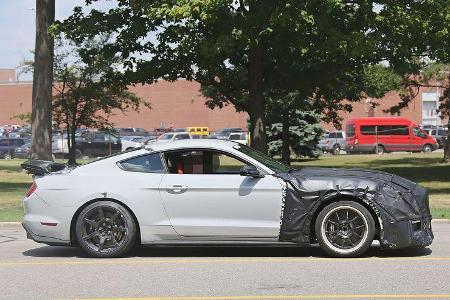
43, 239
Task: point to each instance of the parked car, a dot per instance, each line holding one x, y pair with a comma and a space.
132, 131
172, 136
130, 142
213, 191
9, 145
198, 131
97, 143
224, 133
239, 137
440, 135
379, 135
332, 142
60, 147
23, 151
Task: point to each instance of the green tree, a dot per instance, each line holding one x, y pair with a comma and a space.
299, 136
87, 90
242, 50
41, 122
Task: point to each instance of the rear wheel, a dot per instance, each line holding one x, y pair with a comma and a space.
106, 229
345, 229
336, 149
427, 148
380, 150
7, 155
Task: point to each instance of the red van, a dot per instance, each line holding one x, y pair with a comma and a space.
379, 135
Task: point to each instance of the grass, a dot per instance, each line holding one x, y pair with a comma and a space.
425, 169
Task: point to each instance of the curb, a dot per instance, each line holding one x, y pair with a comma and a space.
10, 225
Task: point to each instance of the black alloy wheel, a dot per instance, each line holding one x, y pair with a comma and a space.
106, 229
345, 229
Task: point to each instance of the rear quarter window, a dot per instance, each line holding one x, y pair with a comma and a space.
150, 163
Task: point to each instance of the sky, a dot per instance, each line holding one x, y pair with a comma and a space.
17, 28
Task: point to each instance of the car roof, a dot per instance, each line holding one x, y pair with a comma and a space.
192, 143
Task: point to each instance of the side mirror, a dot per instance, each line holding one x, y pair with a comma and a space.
251, 171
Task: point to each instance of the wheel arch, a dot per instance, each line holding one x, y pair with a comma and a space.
339, 198
73, 238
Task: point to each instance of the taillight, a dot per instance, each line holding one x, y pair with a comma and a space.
32, 189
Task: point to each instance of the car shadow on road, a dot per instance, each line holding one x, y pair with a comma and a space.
225, 251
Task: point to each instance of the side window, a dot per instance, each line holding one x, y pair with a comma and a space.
332, 135
202, 162
4, 143
98, 137
185, 162
234, 137
150, 163
400, 130
418, 132
224, 164
111, 139
367, 130
339, 135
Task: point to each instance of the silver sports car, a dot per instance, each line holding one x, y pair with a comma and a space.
214, 191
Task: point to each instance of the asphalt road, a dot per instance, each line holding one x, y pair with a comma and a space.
33, 271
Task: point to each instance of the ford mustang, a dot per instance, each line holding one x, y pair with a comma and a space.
214, 191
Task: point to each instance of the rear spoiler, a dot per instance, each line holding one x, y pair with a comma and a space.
42, 167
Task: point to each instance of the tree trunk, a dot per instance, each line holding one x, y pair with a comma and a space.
41, 115
286, 147
447, 144
257, 102
72, 147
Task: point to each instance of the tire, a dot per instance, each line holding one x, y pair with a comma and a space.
427, 148
380, 150
7, 155
334, 229
336, 149
101, 223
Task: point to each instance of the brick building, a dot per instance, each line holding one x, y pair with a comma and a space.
180, 104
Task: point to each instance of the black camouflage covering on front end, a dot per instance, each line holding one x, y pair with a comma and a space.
399, 206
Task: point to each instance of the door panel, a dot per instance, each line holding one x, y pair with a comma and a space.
222, 205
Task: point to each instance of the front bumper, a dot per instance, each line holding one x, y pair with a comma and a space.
408, 233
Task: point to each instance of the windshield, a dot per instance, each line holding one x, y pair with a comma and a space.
166, 136
269, 162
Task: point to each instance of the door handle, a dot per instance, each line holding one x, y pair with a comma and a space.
176, 189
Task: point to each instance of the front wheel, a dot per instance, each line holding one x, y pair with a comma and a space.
7, 155
345, 229
427, 148
105, 229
